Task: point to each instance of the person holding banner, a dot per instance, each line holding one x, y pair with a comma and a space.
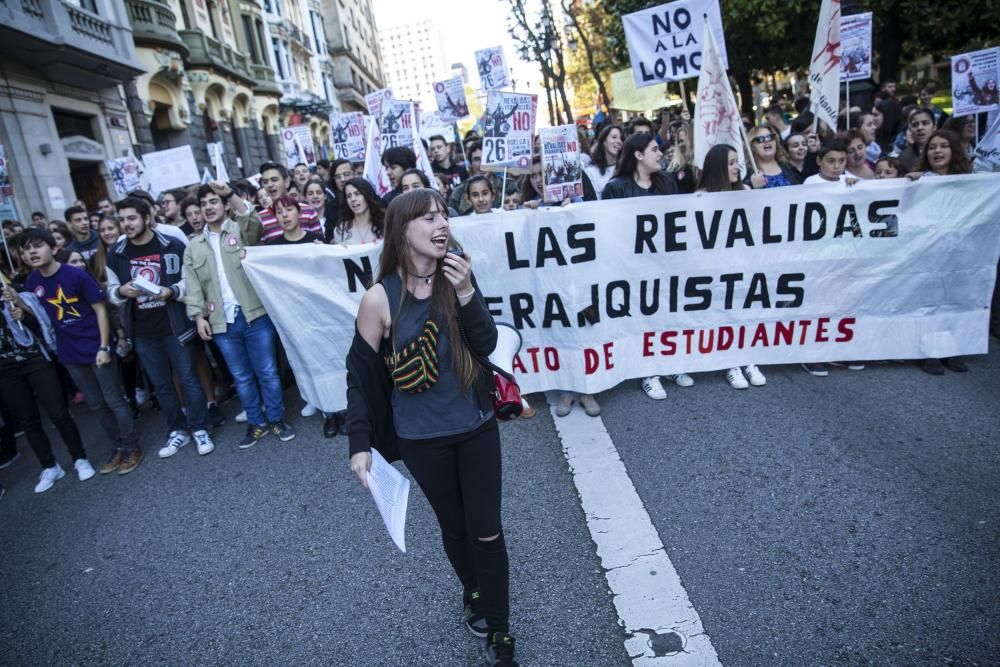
420, 330
772, 171
316, 195
607, 150
857, 155
797, 150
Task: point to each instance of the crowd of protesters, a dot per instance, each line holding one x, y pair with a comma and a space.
143, 302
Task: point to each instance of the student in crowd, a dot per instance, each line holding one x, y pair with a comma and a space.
323, 174
191, 212
60, 234
441, 161
168, 230
11, 228
512, 201
457, 200
721, 173
415, 179
888, 167
925, 98
316, 196
341, 171
964, 128
286, 210
106, 207
888, 118
606, 152
85, 239
868, 129
39, 219
638, 175
28, 379
275, 180
170, 206
226, 309
857, 154
361, 215
832, 160
443, 425
157, 324
93, 217
797, 151
76, 309
639, 125
772, 170
681, 167
300, 176
480, 194
396, 160
920, 125
583, 142
774, 117
803, 124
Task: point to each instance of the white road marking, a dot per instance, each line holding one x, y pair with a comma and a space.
661, 625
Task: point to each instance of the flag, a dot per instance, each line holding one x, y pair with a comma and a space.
987, 156
375, 173
717, 117
221, 173
424, 162
824, 68
206, 176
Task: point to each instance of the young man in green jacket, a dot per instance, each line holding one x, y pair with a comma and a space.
226, 308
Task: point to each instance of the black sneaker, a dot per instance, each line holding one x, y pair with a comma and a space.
254, 433
955, 365
472, 615
7, 458
932, 366
215, 415
331, 425
283, 431
500, 650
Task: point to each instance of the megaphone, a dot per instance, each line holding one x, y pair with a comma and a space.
506, 393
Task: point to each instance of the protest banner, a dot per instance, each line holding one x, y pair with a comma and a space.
347, 136
603, 292
124, 173
492, 66
450, 95
974, 78
717, 117
665, 42
170, 168
373, 100
432, 123
824, 66
856, 46
561, 171
396, 124
216, 150
509, 130
298, 145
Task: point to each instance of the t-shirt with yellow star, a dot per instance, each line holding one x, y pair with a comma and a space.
67, 296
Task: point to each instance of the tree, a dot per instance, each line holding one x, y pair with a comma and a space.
537, 39
587, 23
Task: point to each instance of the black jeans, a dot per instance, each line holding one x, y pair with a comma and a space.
24, 383
460, 475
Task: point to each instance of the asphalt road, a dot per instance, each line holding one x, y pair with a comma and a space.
847, 520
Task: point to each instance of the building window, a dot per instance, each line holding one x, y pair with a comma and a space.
279, 60
249, 36
318, 35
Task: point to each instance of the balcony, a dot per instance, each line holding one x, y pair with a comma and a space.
154, 24
205, 51
264, 81
68, 44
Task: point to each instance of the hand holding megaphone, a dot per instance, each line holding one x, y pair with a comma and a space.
457, 269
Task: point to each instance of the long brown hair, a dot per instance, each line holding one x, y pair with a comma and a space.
959, 163
396, 259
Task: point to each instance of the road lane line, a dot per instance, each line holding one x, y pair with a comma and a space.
661, 625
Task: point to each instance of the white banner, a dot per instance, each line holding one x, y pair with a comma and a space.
170, 168
665, 42
856, 46
375, 171
987, 157
561, 172
607, 291
450, 95
974, 80
347, 136
492, 66
509, 131
824, 68
717, 117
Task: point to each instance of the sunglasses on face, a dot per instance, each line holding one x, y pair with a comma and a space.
763, 139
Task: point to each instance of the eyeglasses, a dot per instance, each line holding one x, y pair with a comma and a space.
763, 139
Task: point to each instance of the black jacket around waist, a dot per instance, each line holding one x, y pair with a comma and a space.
369, 420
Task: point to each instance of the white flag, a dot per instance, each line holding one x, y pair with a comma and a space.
824, 68
717, 117
988, 149
221, 173
424, 162
206, 176
375, 173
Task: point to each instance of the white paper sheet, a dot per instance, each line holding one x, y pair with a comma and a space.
391, 492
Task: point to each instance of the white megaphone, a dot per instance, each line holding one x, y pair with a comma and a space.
506, 394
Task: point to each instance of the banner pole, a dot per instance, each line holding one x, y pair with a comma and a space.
847, 116
975, 119
752, 162
684, 97
3, 279
461, 143
503, 188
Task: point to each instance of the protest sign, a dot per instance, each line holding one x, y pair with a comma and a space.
374, 99
561, 170
509, 128
987, 156
215, 154
396, 124
665, 42
375, 172
824, 67
974, 78
7, 208
298, 145
347, 136
603, 292
170, 168
124, 173
717, 117
451, 101
493, 72
856, 46
432, 123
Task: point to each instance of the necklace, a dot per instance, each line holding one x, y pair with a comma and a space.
427, 279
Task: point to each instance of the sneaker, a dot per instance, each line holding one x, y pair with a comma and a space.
331, 425
590, 405
500, 650
215, 415
932, 366
49, 477
204, 442
734, 376
112, 463
564, 406
241, 418
653, 388
682, 380
816, 370
131, 458
7, 459
753, 374
955, 365
254, 433
527, 412
84, 470
472, 615
175, 441
308, 410
283, 431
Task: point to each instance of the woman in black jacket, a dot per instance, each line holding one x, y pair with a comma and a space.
427, 320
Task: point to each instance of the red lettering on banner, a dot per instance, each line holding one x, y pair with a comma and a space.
821, 334
667, 341
759, 336
517, 365
846, 329
551, 358
533, 352
725, 334
521, 122
723, 338
591, 362
592, 357
647, 344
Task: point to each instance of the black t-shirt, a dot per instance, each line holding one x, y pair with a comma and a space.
151, 319
10, 352
308, 238
456, 172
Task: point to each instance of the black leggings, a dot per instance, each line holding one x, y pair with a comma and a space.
460, 475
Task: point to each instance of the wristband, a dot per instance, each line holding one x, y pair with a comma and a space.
104, 349
467, 294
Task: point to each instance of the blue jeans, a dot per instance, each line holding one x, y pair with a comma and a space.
248, 349
158, 356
